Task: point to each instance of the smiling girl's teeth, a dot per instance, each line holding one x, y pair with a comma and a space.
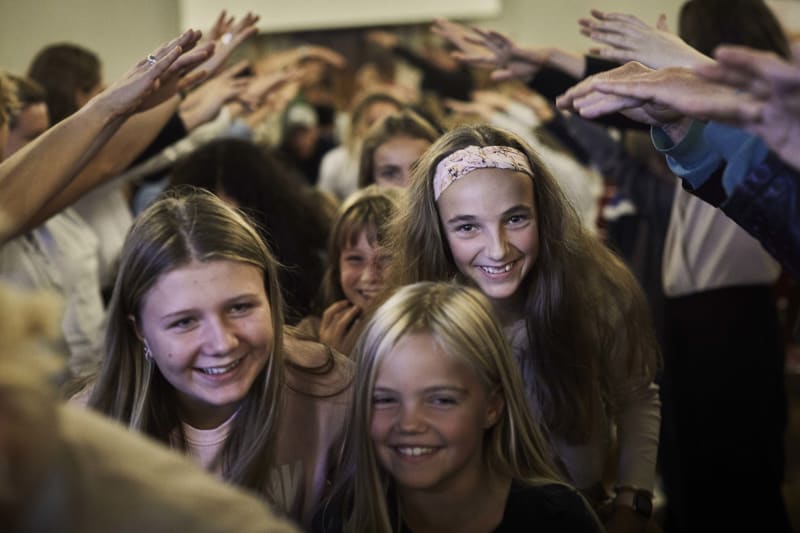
216, 370
415, 451
497, 270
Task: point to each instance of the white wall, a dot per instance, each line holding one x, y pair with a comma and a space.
120, 32
283, 16
123, 31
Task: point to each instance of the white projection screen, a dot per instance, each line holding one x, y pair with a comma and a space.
290, 15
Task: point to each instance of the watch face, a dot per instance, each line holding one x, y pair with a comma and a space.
642, 503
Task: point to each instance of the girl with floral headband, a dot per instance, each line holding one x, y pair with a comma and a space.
482, 208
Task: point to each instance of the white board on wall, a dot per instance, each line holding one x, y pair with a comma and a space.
289, 15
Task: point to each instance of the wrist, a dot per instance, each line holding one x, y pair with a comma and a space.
678, 129
639, 500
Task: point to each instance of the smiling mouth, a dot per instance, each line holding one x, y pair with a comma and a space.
414, 451
497, 270
368, 294
219, 370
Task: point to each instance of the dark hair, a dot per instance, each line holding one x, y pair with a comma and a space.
706, 24
290, 220
405, 123
63, 69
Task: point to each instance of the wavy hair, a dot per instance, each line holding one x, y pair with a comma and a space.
461, 321
189, 225
575, 289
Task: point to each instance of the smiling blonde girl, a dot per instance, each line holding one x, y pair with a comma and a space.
196, 355
441, 438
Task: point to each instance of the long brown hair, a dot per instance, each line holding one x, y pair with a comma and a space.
189, 225
369, 210
574, 293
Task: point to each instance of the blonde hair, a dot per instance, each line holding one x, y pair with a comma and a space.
29, 368
189, 225
461, 321
573, 293
8, 101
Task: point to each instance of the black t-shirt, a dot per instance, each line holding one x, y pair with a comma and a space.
536, 508
543, 508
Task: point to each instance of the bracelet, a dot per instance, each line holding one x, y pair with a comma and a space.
639, 500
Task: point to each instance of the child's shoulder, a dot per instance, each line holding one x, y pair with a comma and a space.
547, 507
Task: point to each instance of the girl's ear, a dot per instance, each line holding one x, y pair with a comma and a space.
135, 326
495, 407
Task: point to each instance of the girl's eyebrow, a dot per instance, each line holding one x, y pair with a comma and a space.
462, 218
512, 209
430, 389
227, 301
518, 207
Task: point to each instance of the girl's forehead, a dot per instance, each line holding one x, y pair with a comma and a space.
354, 229
488, 187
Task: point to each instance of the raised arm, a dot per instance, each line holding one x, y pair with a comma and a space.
628, 38
492, 49
37, 173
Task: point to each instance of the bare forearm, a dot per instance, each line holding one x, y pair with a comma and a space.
36, 173
112, 159
567, 62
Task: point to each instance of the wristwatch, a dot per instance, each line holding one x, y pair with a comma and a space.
639, 500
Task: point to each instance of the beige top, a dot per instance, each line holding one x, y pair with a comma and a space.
310, 434
632, 415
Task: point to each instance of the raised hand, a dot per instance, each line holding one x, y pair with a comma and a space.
460, 37
221, 26
153, 79
232, 34
767, 97
492, 49
203, 104
264, 85
631, 39
634, 90
337, 326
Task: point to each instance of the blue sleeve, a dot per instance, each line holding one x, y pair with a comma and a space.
693, 159
741, 150
705, 148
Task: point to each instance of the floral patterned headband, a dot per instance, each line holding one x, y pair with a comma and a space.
462, 162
